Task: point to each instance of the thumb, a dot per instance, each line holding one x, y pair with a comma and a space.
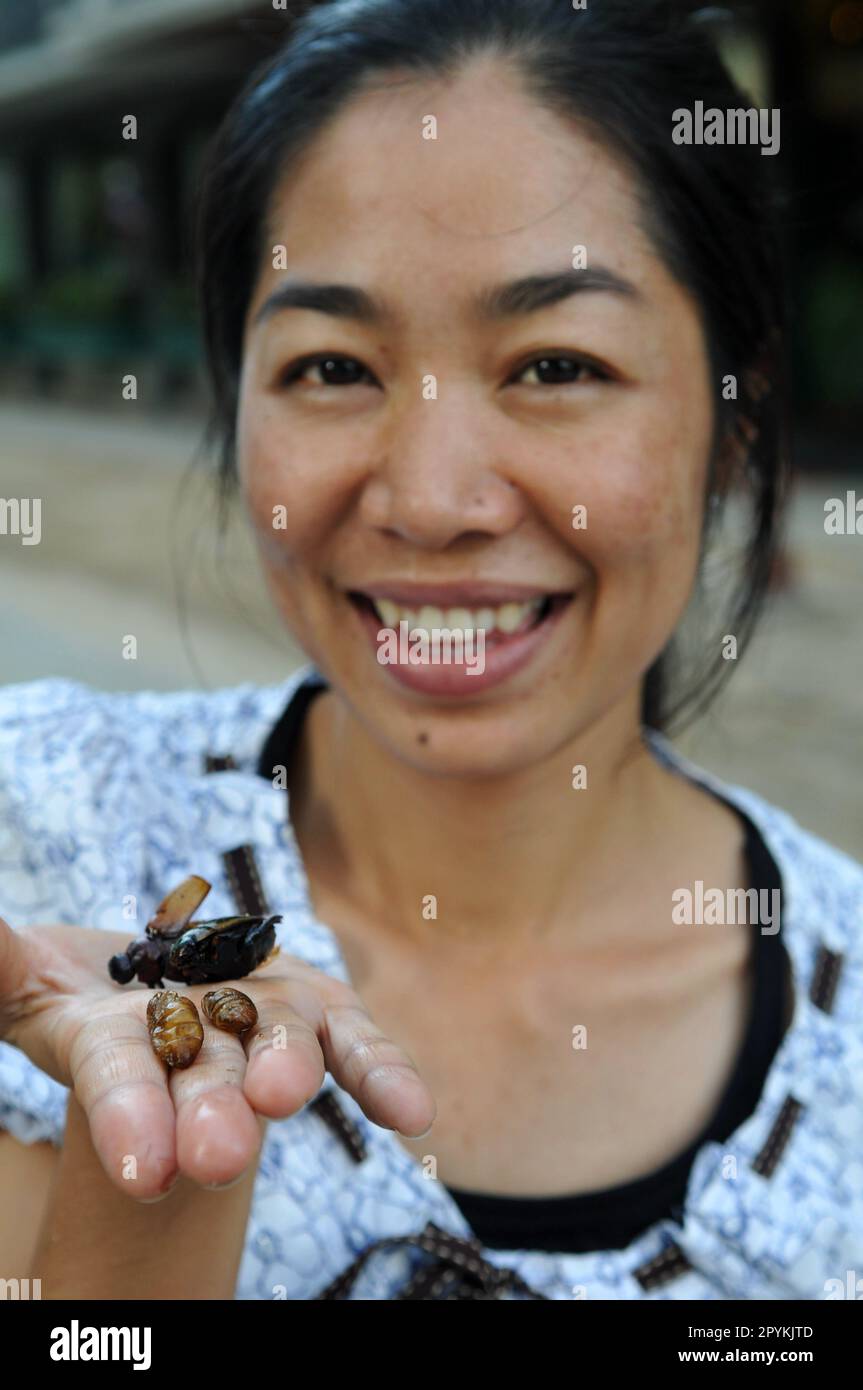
14, 970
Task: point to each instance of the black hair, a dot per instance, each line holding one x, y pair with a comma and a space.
620, 68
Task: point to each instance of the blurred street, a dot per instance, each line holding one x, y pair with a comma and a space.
129, 546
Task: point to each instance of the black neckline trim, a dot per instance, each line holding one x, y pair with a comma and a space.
280, 743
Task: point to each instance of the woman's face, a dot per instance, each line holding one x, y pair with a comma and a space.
478, 392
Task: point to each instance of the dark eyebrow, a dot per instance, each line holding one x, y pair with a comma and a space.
339, 301
525, 296
536, 292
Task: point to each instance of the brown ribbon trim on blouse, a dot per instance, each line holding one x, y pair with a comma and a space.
457, 1272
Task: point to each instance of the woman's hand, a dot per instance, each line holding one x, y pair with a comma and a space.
149, 1125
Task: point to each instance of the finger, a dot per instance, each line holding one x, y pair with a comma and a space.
218, 1134
378, 1073
122, 1088
283, 1059
285, 1063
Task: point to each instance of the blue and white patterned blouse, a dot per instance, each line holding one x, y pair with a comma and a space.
106, 795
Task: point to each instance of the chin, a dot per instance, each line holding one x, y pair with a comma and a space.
497, 739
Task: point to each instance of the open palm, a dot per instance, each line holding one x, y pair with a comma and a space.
59, 1006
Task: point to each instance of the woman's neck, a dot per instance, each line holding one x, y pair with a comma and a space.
492, 858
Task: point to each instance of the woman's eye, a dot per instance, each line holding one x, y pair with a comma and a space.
330, 370
559, 371
327, 371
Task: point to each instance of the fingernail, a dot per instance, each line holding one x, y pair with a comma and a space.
165, 1192
416, 1136
221, 1186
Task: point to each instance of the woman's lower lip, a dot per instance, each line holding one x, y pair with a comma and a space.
500, 659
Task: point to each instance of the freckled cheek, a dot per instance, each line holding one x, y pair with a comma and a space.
644, 503
294, 492
641, 542
637, 528
642, 489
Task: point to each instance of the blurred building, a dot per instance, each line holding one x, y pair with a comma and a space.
95, 229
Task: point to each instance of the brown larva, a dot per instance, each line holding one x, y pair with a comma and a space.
230, 1010
175, 1028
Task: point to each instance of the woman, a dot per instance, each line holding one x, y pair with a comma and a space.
474, 321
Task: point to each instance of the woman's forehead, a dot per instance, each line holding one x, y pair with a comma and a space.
496, 187
476, 163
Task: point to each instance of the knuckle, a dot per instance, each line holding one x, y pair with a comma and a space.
281, 1033
347, 1011
372, 1052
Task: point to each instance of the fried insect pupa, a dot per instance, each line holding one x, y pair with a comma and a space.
175, 1028
230, 1010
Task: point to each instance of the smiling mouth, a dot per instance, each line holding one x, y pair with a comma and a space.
498, 621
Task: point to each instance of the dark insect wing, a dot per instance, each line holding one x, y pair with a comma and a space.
174, 913
259, 944
201, 931
224, 949
207, 940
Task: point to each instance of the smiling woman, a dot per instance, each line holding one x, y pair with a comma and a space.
475, 200
428, 354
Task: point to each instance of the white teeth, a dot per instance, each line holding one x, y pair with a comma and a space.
510, 616
460, 618
507, 618
429, 617
388, 612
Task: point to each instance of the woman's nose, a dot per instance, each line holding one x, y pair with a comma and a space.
440, 475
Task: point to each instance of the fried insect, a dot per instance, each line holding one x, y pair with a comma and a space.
175, 1028
195, 953
230, 1010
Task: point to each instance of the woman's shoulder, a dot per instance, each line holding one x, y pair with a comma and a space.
821, 884
96, 786
821, 906
50, 728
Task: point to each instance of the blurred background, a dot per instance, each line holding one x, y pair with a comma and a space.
96, 281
